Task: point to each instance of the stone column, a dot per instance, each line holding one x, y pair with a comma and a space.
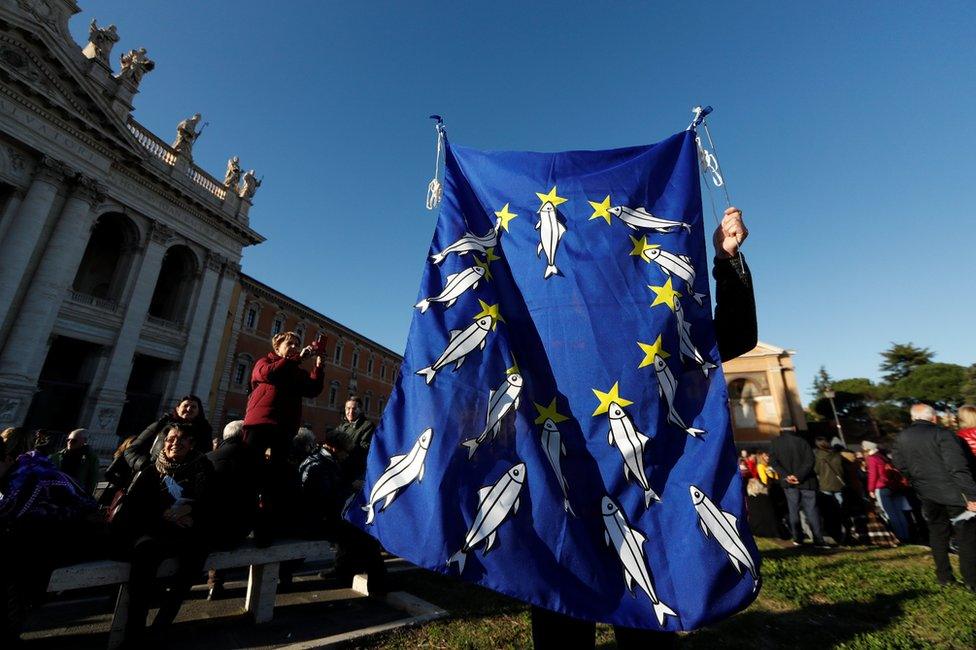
198, 327
24, 233
26, 346
111, 394
10, 211
215, 337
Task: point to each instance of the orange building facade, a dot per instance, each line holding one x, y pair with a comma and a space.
355, 365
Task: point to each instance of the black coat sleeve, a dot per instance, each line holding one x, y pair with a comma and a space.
137, 453
735, 308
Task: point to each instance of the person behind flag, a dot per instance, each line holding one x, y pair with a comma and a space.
353, 437
736, 331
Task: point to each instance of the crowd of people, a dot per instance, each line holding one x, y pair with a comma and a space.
178, 490
920, 491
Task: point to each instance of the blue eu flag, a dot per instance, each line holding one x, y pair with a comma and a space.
559, 431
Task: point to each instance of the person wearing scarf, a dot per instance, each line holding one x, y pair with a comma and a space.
188, 413
169, 516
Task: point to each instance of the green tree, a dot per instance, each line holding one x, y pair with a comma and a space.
899, 360
851, 398
821, 382
969, 385
890, 418
938, 384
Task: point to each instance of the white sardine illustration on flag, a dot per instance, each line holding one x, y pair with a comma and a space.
501, 402
400, 473
629, 545
723, 528
457, 283
468, 243
667, 385
639, 218
462, 343
495, 502
553, 446
510, 501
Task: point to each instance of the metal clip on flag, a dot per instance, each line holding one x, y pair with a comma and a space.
434, 190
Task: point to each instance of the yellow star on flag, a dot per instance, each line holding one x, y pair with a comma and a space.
640, 247
665, 295
551, 197
514, 370
651, 351
549, 413
606, 398
504, 216
490, 311
490, 255
601, 210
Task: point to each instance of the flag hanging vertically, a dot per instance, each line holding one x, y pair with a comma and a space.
559, 430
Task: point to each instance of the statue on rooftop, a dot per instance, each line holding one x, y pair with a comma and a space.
251, 185
186, 135
135, 64
100, 41
233, 174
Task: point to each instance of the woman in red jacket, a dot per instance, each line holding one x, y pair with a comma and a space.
967, 426
274, 410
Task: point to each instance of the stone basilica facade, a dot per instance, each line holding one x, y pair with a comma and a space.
119, 257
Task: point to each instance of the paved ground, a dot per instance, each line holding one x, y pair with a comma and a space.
313, 613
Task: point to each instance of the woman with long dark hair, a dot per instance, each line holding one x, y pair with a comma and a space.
188, 413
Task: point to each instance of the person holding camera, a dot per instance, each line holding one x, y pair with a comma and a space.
274, 413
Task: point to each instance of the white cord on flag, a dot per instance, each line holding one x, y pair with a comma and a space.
709, 164
434, 189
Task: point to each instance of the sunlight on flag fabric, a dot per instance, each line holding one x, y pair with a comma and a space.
559, 430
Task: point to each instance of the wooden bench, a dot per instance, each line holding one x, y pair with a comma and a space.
262, 584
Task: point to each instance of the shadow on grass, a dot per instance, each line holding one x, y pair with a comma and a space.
813, 626
789, 552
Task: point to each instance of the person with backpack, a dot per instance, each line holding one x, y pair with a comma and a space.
886, 486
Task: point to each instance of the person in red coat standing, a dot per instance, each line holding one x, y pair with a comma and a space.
274, 413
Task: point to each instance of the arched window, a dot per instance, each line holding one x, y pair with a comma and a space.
355, 359
383, 370
333, 393
278, 324
174, 287
367, 400
300, 330
338, 353
108, 257
382, 402
369, 365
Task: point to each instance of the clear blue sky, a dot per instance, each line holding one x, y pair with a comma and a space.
846, 132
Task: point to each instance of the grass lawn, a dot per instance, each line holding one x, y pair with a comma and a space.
845, 598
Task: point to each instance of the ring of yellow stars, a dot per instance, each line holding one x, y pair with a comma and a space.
491, 311
601, 210
665, 295
640, 247
549, 413
504, 216
650, 351
606, 398
551, 197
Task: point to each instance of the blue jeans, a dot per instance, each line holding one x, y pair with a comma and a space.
806, 499
891, 505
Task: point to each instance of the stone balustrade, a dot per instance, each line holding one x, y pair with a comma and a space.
101, 303
164, 152
165, 323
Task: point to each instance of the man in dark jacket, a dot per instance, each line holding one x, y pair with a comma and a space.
793, 460
934, 461
353, 437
